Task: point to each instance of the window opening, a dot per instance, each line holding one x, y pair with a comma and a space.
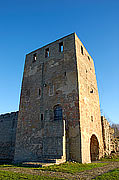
47, 54
61, 47
58, 113
34, 57
92, 118
89, 58
39, 92
91, 91
82, 50
41, 117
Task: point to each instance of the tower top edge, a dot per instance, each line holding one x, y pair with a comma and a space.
59, 39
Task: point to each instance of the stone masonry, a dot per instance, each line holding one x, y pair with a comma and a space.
59, 116
8, 123
108, 136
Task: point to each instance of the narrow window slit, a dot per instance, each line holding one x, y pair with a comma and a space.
92, 118
82, 50
41, 117
61, 47
47, 53
34, 57
39, 92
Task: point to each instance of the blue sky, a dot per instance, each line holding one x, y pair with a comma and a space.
26, 25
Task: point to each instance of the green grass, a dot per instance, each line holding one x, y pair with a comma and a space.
73, 168
111, 175
8, 175
109, 159
6, 165
112, 157
15, 166
68, 167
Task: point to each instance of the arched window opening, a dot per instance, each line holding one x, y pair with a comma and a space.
58, 113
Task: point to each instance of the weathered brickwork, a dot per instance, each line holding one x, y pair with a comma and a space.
59, 116
8, 123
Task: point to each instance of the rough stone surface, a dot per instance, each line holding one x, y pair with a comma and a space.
108, 137
8, 123
89, 106
67, 79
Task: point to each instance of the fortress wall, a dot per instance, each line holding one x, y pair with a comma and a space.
8, 124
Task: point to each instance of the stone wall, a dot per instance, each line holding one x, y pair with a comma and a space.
8, 124
117, 144
49, 79
108, 137
112, 141
59, 74
89, 106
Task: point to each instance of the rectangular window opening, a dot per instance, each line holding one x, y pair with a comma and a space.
92, 118
41, 117
39, 92
34, 57
61, 47
82, 50
47, 54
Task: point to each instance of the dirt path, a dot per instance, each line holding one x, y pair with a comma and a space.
88, 174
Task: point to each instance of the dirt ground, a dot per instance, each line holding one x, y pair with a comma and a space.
88, 174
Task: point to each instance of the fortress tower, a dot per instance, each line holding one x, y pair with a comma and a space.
59, 116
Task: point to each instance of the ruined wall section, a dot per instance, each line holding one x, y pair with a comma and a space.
47, 82
106, 135
8, 123
90, 117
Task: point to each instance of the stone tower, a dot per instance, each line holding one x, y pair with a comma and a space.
59, 116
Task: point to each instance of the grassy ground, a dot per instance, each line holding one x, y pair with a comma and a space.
111, 175
73, 168
112, 158
108, 159
68, 167
15, 172
8, 175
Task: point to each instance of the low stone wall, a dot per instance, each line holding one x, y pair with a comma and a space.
8, 123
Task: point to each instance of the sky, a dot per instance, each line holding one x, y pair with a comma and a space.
26, 25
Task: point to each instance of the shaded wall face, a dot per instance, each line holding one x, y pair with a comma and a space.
49, 80
90, 117
8, 124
